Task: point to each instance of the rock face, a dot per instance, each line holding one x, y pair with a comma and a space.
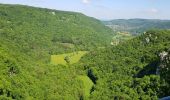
163, 56
147, 39
53, 13
164, 67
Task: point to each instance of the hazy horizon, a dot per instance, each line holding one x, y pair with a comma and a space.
105, 9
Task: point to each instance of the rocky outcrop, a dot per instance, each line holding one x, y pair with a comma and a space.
164, 67
150, 38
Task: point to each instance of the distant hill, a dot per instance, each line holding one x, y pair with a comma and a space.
136, 26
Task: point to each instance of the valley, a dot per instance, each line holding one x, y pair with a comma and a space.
48, 54
136, 26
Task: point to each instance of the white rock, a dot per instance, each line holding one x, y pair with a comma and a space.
163, 55
53, 13
147, 39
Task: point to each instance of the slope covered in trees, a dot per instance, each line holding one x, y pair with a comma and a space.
28, 38
129, 70
36, 28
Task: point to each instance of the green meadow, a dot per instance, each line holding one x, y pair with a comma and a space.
73, 58
87, 83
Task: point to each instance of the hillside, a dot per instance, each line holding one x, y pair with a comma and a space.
136, 26
137, 69
29, 36
51, 29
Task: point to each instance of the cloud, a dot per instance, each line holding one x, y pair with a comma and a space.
153, 11
86, 1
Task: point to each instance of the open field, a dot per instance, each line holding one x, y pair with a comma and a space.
72, 57
87, 84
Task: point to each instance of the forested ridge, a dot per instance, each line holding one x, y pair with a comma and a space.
136, 69
52, 29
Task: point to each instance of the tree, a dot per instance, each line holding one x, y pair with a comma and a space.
67, 59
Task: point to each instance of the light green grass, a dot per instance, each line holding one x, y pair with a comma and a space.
123, 36
87, 84
73, 57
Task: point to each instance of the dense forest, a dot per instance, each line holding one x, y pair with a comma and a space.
136, 26
57, 55
135, 69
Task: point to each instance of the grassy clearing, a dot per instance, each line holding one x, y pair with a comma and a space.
67, 45
121, 37
87, 84
73, 58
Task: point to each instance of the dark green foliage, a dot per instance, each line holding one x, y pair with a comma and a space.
91, 75
67, 59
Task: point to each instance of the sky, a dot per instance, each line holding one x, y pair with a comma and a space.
105, 9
